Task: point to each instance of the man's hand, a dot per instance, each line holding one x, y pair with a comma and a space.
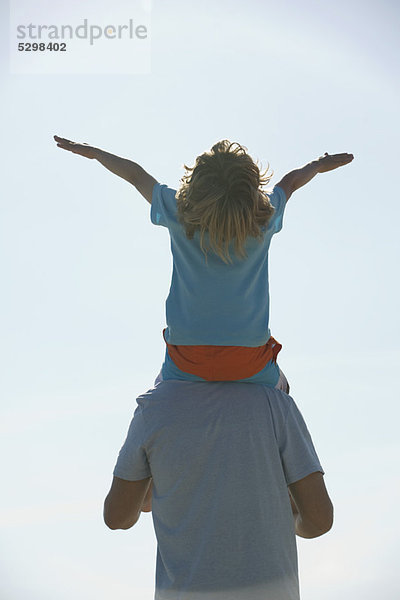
124, 502
311, 506
147, 502
328, 162
82, 149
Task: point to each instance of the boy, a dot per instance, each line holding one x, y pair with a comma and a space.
221, 222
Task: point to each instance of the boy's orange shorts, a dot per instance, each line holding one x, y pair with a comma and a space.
223, 363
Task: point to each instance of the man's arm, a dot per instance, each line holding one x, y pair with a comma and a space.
124, 502
299, 177
311, 506
127, 169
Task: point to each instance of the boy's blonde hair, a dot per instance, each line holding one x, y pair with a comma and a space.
222, 196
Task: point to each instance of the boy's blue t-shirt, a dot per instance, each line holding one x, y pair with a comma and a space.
211, 302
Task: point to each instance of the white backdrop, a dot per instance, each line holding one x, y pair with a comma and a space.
85, 275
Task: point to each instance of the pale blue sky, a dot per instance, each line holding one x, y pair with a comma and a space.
85, 276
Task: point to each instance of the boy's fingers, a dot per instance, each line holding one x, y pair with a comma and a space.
60, 139
67, 144
339, 158
344, 155
341, 154
70, 146
345, 158
334, 161
64, 141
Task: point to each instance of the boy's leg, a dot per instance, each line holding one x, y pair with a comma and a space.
159, 378
282, 383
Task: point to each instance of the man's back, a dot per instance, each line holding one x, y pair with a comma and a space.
221, 456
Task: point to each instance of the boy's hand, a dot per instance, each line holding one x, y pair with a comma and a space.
127, 169
328, 162
299, 177
82, 149
147, 502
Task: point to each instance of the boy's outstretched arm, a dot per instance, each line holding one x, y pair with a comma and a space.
299, 177
127, 169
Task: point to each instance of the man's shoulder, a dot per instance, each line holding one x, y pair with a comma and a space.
174, 390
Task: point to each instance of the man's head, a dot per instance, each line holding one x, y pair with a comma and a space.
222, 196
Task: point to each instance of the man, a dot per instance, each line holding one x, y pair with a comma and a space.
233, 476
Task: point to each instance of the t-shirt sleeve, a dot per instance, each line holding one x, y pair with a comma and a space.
298, 454
278, 200
163, 205
132, 463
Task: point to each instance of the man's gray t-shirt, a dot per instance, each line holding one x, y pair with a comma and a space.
221, 456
